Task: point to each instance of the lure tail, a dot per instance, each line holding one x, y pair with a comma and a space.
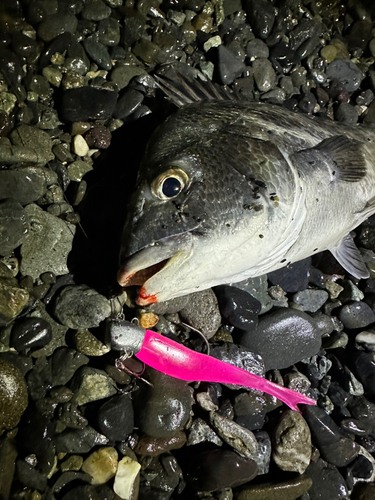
175, 360
178, 361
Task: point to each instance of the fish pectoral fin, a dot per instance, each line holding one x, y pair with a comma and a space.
348, 255
347, 156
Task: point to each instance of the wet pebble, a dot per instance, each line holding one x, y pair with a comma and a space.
48, 244
79, 440
90, 384
98, 53
96, 10
13, 396
333, 445
101, 465
88, 103
263, 456
30, 333
257, 48
30, 477
164, 409
56, 24
286, 336
250, 410
81, 307
356, 315
229, 66
202, 312
12, 301
218, 469
286, 490
115, 418
364, 369
238, 308
261, 16
292, 443
292, 278
264, 74
88, 344
153, 447
346, 72
127, 103
201, 432
64, 363
346, 113
310, 300
327, 483
98, 137
14, 225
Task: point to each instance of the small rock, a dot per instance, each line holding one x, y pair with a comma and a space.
148, 319
125, 478
98, 52
13, 396
64, 363
364, 369
14, 225
292, 443
101, 465
96, 10
346, 72
229, 66
263, 457
98, 137
292, 278
264, 74
239, 438
327, 482
30, 333
261, 17
201, 432
116, 418
346, 113
218, 469
81, 147
250, 410
79, 440
257, 48
356, 315
310, 300
56, 24
88, 344
287, 490
81, 307
238, 307
48, 244
12, 300
153, 447
91, 384
202, 312
77, 169
73, 463
88, 103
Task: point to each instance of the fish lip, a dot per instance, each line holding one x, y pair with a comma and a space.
159, 252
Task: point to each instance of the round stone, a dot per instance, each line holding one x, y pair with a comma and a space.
30, 333
13, 396
116, 418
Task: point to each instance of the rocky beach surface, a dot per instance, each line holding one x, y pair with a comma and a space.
78, 102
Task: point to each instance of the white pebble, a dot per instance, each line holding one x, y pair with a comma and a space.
126, 475
81, 147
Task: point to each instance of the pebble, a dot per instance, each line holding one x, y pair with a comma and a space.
126, 478
328, 483
164, 409
8, 455
310, 300
250, 410
257, 48
96, 10
292, 278
264, 74
14, 225
98, 53
115, 418
238, 308
283, 58
263, 457
202, 312
98, 137
64, 363
286, 490
229, 66
81, 307
366, 340
153, 447
88, 344
286, 336
56, 24
30, 477
201, 432
79, 440
12, 300
80, 146
101, 465
364, 369
91, 384
346, 72
73, 463
239, 438
356, 315
218, 469
261, 16
13, 396
48, 243
334, 446
30, 333
127, 103
346, 113
88, 103
77, 169
292, 443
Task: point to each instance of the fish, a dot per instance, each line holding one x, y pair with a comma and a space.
230, 189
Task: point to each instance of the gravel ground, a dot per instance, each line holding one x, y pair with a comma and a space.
78, 103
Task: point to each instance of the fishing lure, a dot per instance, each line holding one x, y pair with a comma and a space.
176, 360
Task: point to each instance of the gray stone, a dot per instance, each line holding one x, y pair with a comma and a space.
346, 72
356, 315
263, 457
310, 300
98, 52
90, 384
81, 307
34, 139
96, 10
264, 74
48, 244
14, 225
79, 440
201, 432
292, 443
202, 312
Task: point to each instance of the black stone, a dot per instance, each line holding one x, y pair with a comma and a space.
345, 72
30, 477
361, 468
283, 58
261, 17
305, 30
116, 418
307, 103
250, 410
30, 333
328, 483
127, 103
229, 66
364, 370
333, 445
286, 336
237, 307
64, 363
59, 44
88, 103
78, 440
219, 469
356, 315
292, 278
90, 492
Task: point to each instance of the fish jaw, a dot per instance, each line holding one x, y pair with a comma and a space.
154, 265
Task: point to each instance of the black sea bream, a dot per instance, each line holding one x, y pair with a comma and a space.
233, 189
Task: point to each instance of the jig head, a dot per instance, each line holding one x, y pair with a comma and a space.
176, 360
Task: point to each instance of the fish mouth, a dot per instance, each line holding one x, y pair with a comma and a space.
146, 267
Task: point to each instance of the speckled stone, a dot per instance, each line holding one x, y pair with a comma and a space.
88, 344
13, 396
12, 301
292, 443
91, 384
202, 312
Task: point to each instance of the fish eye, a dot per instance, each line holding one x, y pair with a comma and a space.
169, 184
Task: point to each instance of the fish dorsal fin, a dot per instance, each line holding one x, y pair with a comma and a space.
347, 155
348, 255
182, 91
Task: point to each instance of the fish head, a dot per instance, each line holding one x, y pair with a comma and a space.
190, 205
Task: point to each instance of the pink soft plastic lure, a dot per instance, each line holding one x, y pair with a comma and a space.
175, 360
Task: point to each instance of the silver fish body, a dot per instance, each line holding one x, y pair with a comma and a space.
231, 189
